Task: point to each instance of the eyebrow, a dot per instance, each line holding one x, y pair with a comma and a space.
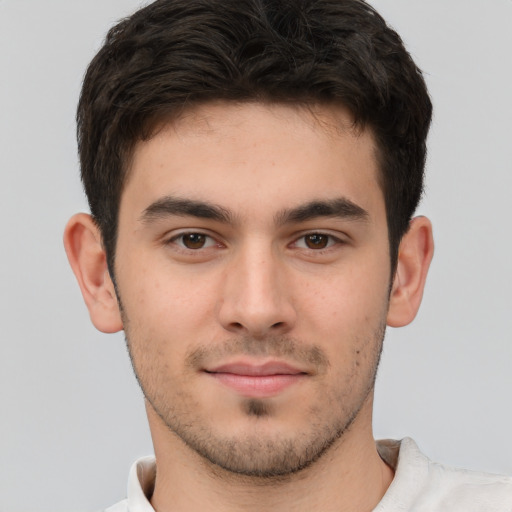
175, 206
341, 208
170, 206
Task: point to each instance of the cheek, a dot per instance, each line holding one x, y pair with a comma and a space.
346, 299
166, 308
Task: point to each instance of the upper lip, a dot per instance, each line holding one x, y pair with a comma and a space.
256, 369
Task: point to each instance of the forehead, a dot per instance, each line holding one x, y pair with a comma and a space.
242, 156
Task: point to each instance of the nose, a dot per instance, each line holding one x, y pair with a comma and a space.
256, 299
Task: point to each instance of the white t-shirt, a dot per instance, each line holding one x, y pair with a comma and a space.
420, 485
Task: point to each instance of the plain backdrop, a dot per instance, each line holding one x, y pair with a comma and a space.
72, 417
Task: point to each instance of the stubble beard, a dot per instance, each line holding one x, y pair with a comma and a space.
268, 455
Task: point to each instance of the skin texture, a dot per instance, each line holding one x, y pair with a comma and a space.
255, 236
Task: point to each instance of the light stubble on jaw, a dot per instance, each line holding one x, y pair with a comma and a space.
266, 457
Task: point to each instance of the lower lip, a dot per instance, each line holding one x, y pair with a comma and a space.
258, 386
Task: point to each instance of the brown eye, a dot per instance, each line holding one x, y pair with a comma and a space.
194, 240
316, 241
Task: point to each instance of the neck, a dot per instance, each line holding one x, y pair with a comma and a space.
350, 476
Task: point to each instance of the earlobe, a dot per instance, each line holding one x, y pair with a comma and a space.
415, 254
86, 255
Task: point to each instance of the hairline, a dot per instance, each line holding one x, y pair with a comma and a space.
171, 117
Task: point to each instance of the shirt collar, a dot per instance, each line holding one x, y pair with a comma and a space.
141, 480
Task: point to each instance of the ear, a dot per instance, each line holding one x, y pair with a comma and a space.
82, 241
414, 257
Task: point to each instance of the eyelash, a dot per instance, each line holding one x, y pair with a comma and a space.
177, 240
331, 241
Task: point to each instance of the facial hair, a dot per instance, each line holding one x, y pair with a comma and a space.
259, 451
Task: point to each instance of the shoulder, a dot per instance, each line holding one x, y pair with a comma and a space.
421, 485
469, 490
122, 506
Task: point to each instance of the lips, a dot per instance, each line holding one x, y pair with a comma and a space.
257, 380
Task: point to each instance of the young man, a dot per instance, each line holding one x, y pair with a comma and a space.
252, 169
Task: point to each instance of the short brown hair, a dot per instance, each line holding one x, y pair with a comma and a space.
174, 54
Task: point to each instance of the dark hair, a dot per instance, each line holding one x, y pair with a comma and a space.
174, 54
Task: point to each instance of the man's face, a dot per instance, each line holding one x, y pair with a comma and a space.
253, 270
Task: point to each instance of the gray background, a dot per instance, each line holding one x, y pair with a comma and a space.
72, 417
